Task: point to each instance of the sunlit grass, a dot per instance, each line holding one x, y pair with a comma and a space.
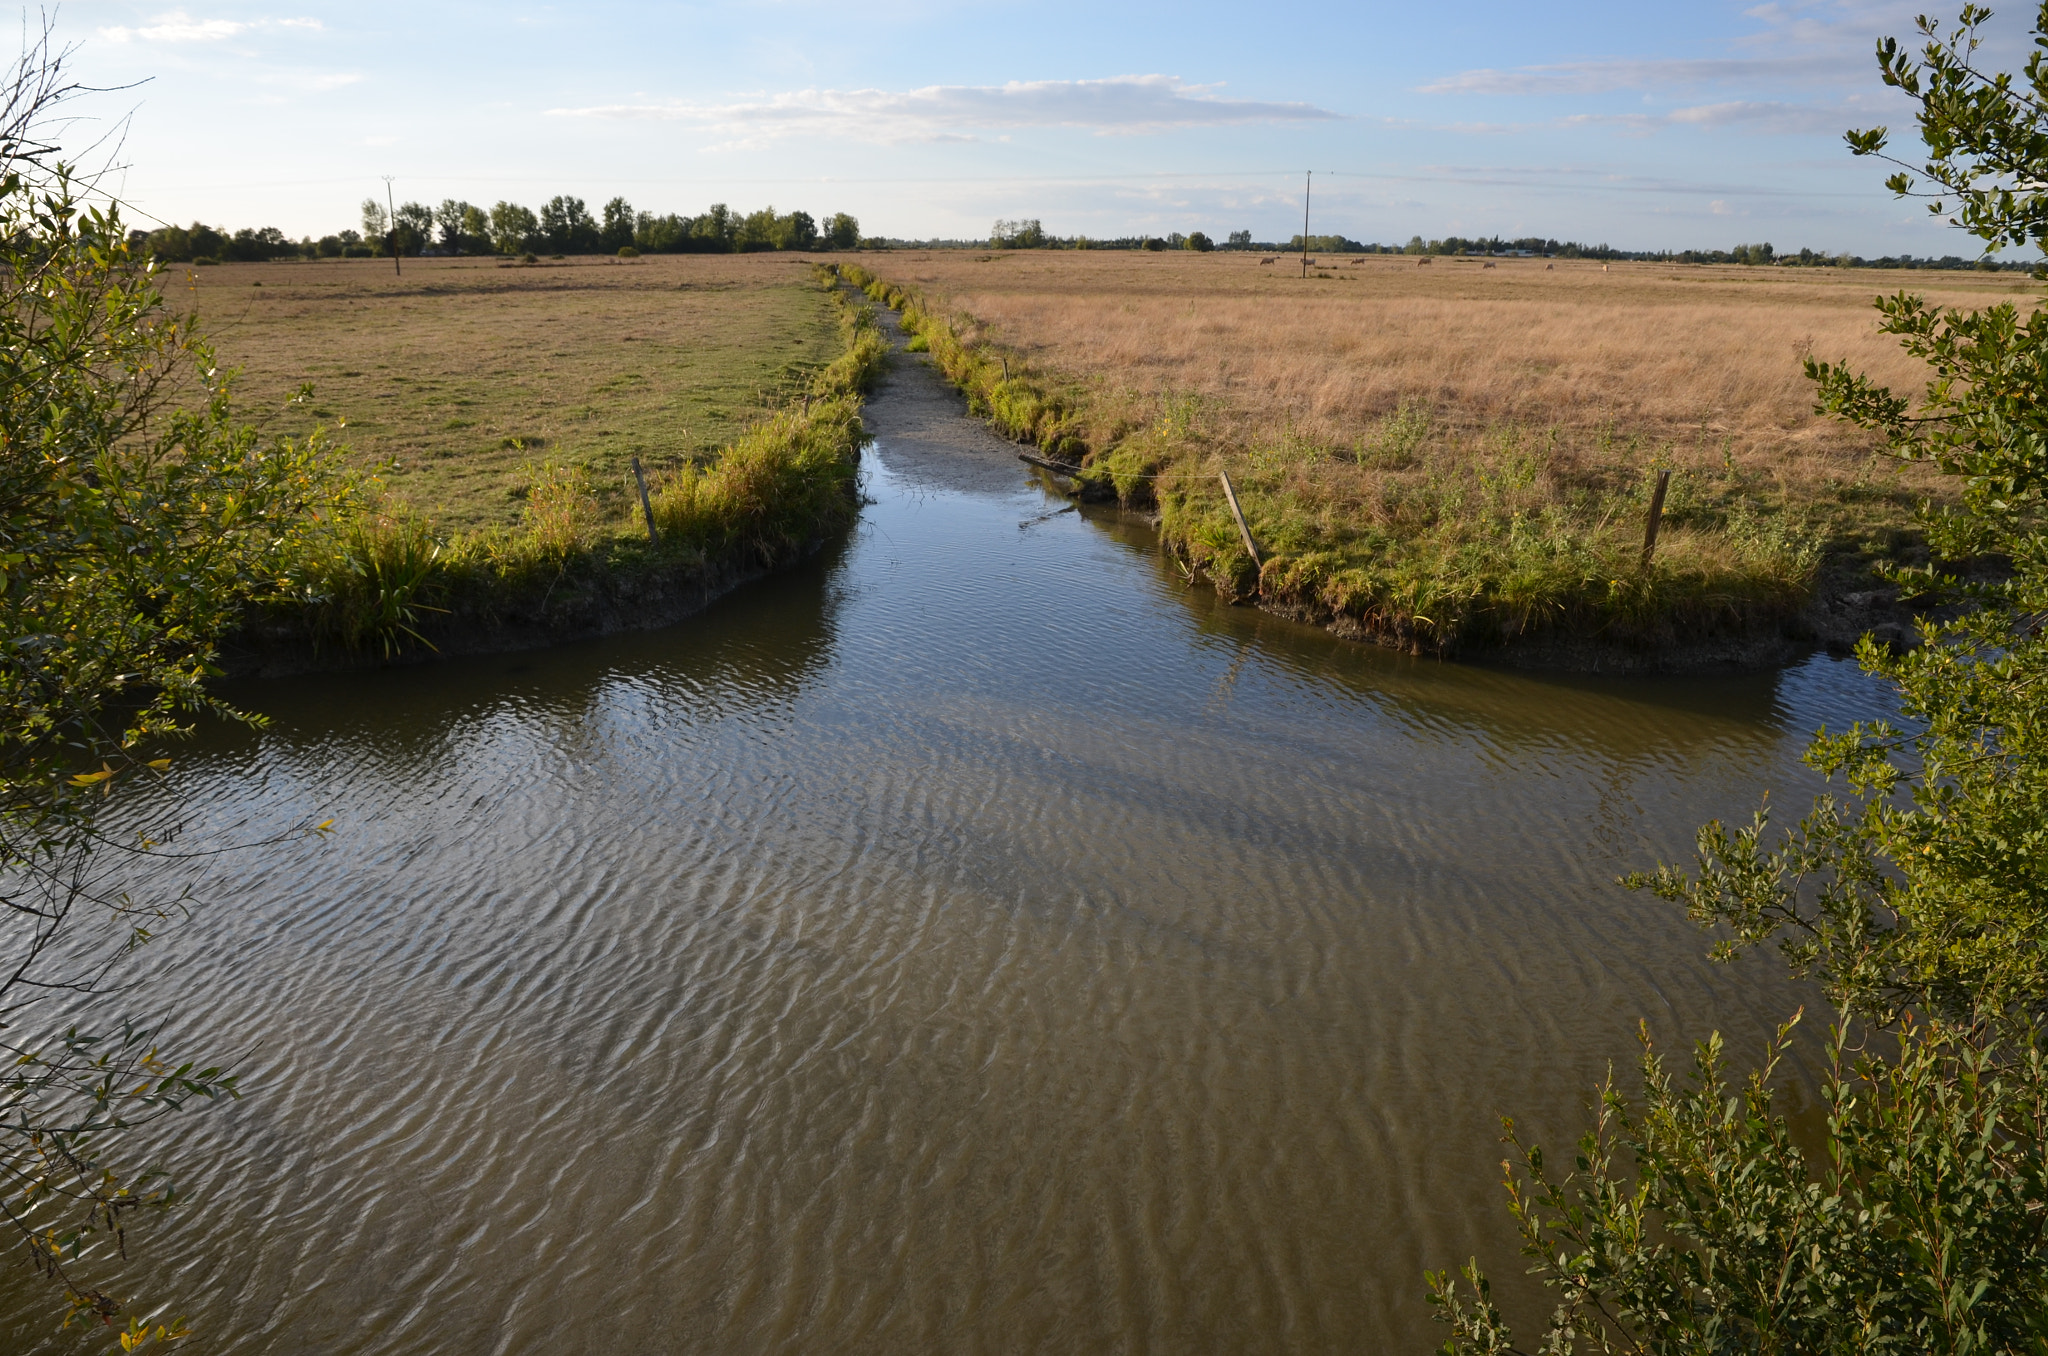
1426, 461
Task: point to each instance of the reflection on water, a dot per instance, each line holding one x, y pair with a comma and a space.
975, 942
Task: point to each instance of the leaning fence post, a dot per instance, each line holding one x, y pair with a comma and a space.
1230, 494
1656, 517
646, 507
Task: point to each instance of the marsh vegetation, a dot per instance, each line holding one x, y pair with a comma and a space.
1451, 455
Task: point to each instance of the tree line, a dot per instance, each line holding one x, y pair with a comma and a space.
564, 225
1029, 233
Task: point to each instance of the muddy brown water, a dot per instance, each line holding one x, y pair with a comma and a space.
974, 941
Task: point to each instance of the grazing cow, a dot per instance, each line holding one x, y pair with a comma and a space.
1356, 262
1492, 265
1424, 262
1550, 268
1273, 260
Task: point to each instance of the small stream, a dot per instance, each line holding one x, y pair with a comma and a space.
974, 941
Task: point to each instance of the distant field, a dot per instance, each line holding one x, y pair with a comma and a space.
463, 372
1664, 352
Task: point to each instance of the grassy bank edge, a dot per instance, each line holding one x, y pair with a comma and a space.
1733, 565
383, 583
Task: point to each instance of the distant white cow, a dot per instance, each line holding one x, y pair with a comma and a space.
1272, 260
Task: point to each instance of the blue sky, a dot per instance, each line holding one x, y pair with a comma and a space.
1645, 126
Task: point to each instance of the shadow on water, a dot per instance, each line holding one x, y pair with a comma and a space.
973, 941
764, 645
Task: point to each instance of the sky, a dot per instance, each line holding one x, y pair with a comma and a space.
1644, 126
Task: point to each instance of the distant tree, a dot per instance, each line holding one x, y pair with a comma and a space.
206, 242
413, 227
717, 229
757, 231
1240, 240
1025, 233
255, 246
667, 234
795, 232
514, 229
171, 244
329, 247
842, 232
464, 228
376, 221
567, 226
618, 229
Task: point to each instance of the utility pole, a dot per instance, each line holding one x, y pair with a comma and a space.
392, 234
1306, 185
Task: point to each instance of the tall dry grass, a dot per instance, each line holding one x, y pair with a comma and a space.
1659, 351
1449, 454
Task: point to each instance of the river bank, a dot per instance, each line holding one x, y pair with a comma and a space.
1512, 545
388, 585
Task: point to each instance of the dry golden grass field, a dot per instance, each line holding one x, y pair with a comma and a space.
1661, 352
463, 373
1457, 450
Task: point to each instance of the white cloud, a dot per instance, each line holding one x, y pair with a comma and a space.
1123, 104
1765, 116
179, 27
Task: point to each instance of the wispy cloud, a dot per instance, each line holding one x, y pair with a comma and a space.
1124, 104
1795, 45
180, 27
1606, 77
1759, 115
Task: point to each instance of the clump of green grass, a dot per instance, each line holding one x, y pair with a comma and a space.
363, 583
562, 515
786, 483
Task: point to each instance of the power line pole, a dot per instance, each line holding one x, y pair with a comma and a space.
392, 234
1306, 185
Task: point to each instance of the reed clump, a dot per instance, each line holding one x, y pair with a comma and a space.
1435, 529
783, 485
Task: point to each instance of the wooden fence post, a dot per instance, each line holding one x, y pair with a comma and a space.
1656, 517
1230, 494
646, 506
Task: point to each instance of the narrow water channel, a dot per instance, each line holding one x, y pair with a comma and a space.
975, 941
